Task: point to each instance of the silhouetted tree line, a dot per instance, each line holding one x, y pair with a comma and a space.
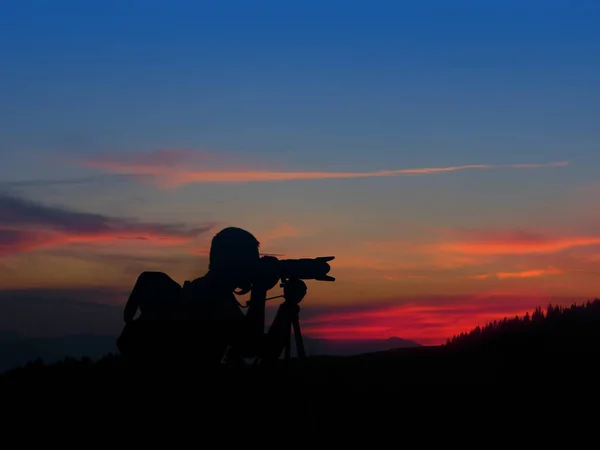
574, 327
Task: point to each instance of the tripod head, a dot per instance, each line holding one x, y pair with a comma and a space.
294, 290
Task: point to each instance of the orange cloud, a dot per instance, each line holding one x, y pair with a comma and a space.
401, 254
521, 274
517, 246
190, 167
280, 231
404, 277
18, 241
530, 273
459, 251
482, 276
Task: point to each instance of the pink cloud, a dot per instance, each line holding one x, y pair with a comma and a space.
170, 171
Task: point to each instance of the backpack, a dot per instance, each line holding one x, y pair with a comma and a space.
158, 299
156, 295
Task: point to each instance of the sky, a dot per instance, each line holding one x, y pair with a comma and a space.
446, 153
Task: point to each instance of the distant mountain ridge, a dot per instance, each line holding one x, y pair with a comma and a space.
17, 350
324, 347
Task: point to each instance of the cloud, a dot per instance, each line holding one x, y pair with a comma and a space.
45, 182
27, 225
514, 243
418, 258
530, 273
282, 231
481, 254
534, 273
279, 232
404, 277
170, 169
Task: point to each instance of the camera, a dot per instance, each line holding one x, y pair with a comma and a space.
272, 269
306, 268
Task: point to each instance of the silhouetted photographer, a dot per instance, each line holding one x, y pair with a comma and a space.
202, 323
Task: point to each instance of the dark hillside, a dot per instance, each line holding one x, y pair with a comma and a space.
550, 352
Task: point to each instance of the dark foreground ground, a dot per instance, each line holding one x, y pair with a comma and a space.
420, 390
389, 371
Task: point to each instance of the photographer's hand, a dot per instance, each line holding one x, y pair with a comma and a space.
265, 278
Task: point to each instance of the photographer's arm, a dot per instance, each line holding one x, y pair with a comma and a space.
248, 329
251, 337
255, 317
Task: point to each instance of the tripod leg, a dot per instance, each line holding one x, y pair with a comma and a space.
288, 342
298, 337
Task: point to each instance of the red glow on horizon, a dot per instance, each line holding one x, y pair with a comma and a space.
427, 324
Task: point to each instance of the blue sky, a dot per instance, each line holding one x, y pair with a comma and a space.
334, 85
380, 83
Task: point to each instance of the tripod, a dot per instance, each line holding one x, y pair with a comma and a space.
286, 320
294, 291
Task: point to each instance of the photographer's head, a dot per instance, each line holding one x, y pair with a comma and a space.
234, 255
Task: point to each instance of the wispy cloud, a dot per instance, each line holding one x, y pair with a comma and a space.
514, 243
169, 169
533, 273
46, 182
456, 252
27, 225
280, 232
